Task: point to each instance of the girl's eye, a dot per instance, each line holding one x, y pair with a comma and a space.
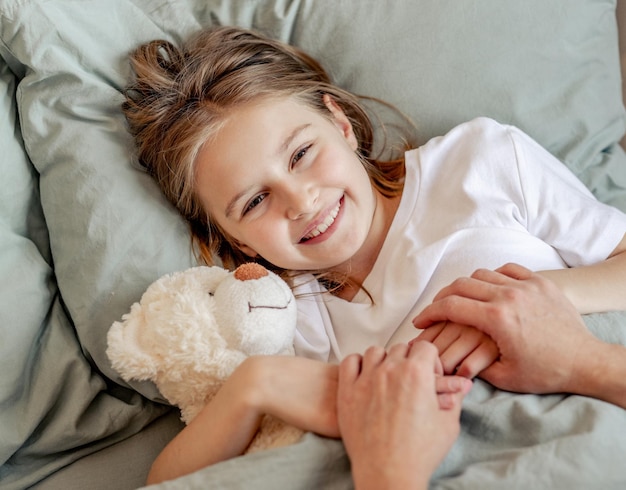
254, 203
299, 155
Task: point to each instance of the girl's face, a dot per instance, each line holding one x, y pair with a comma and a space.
285, 182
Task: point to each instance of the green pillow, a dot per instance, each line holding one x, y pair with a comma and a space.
549, 67
47, 386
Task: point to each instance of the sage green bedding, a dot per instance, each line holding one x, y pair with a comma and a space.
84, 231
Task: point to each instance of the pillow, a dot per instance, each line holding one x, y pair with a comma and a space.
551, 69
111, 232
27, 290
47, 386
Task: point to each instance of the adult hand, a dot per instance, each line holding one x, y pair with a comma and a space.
391, 417
541, 337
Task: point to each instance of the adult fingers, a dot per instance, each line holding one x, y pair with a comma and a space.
450, 390
397, 352
349, 369
470, 287
479, 285
502, 276
421, 349
515, 271
497, 375
427, 354
372, 357
456, 309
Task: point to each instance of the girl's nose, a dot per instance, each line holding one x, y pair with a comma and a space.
300, 202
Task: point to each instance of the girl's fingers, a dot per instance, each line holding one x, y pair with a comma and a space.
448, 401
452, 384
448, 337
456, 353
479, 359
431, 332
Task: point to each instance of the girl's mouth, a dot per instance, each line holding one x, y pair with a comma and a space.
324, 225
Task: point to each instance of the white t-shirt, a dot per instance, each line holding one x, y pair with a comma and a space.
482, 195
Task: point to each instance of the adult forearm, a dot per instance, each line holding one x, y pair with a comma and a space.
603, 374
595, 288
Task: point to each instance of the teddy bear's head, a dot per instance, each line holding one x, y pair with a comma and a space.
191, 329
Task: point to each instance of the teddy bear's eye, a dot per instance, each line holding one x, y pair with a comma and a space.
211, 293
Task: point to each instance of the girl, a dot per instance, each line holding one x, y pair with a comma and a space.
268, 161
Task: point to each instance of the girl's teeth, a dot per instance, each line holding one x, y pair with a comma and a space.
324, 225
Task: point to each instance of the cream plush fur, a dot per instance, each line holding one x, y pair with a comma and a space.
191, 329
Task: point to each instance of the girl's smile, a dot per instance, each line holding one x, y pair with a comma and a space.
285, 182
320, 230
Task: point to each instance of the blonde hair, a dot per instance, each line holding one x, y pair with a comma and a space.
180, 96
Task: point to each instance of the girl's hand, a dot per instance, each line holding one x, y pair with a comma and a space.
463, 350
302, 392
390, 415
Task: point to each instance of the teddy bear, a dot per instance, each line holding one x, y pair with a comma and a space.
191, 329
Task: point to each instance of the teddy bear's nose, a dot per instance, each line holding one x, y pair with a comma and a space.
249, 271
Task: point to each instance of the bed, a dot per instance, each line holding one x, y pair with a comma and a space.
83, 230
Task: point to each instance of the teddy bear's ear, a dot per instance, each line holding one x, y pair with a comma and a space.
125, 351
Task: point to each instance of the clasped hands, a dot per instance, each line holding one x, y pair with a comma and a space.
513, 327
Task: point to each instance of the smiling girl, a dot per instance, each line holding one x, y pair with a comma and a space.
287, 186
269, 161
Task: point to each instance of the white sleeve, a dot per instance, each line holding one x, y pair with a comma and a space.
311, 339
560, 209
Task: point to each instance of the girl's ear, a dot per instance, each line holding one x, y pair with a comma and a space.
341, 121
